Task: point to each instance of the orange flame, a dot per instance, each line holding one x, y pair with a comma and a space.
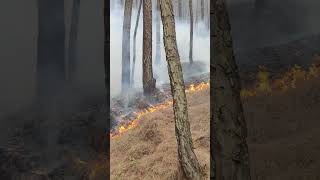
133, 123
286, 81
264, 85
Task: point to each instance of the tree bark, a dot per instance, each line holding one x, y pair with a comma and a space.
125, 81
135, 43
51, 49
149, 83
158, 43
72, 49
229, 130
186, 155
191, 32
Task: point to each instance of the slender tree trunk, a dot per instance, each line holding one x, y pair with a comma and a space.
135, 42
202, 10
106, 72
51, 49
229, 129
191, 32
125, 81
186, 155
149, 83
179, 10
72, 49
158, 43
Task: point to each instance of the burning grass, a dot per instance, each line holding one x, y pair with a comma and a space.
138, 115
149, 151
265, 84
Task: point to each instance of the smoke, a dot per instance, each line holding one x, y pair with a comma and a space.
201, 48
279, 21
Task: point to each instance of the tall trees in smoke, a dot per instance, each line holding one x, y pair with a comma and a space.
202, 10
229, 147
187, 157
125, 78
72, 49
135, 42
51, 43
149, 83
158, 42
191, 32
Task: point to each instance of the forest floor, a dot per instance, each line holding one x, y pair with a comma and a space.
283, 137
283, 133
149, 151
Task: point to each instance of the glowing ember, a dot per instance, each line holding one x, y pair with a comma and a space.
133, 123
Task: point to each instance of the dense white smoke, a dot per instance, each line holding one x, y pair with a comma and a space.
201, 48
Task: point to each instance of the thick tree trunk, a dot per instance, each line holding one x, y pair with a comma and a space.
72, 49
229, 127
187, 157
158, 43
191, 32
135, 43
125, 81
149, 83
51, 49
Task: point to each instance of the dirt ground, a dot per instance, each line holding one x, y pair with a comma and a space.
283, 130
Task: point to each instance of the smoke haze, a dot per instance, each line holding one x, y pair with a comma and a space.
201, 48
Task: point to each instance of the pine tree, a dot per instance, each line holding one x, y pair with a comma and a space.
186, 155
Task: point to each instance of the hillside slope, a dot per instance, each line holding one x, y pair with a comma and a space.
283, 137
150, 150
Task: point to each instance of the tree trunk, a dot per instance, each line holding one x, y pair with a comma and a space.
186, 155
51, 49
229, 130
106, 71
179, 10
202, 10
135, 43
72, 49
125, 81
191, 32
149, 83
158, 43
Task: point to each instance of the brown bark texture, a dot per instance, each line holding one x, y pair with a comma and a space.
149, 83
187, 158
229, 145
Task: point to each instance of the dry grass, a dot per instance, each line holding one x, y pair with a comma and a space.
283, 137
150, 150
284, 133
